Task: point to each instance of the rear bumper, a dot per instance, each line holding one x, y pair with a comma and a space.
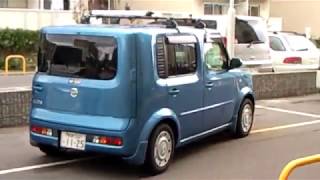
258, 65
132, 150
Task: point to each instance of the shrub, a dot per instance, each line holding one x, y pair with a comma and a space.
17, 41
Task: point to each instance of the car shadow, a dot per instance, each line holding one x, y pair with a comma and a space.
115, 167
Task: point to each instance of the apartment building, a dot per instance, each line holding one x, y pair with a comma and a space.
298, 15
34, 14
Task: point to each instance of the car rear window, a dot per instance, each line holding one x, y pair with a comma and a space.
251, 31
78, 56
299, 43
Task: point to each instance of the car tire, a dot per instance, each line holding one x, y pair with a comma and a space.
160, 149
245, 119
50, 151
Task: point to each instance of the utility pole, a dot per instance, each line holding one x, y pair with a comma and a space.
231, 29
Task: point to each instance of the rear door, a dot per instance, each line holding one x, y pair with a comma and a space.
185, 93
85, 76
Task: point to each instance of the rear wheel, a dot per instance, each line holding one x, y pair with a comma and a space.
245, 119
50, 151
160, 149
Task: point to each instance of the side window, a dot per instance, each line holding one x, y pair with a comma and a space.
181, 59
276, 44
215, 57
175, 59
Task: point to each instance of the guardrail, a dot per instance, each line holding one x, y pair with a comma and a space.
23, 59
288, 169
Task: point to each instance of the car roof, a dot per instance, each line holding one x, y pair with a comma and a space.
104, 29
275, 33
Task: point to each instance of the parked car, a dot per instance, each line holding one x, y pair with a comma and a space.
138, 92
251, 40
291, 51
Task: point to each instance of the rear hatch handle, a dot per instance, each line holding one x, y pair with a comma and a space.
37, 88
174, 91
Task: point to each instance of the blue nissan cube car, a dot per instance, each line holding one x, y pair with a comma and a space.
137, 91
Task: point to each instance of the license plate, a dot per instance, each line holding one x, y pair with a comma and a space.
73, 140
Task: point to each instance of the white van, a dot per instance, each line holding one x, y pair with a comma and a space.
251, 39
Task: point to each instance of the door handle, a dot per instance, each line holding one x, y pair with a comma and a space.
209, 84
174, 91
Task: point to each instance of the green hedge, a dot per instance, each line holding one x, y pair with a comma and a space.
18, 41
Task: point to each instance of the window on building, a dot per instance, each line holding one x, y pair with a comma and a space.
56, 4
100, 4
211, 8
254, 11
208, 9
13, 3
217, 9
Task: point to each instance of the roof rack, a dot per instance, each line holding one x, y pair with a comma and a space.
169, 22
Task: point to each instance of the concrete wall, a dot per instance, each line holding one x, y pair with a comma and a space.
275, 85
14, 108
15, 105
297, 14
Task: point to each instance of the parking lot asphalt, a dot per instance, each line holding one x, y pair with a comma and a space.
284, 129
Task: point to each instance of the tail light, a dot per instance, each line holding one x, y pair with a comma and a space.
115, 141
292, 60
224, 41
41, 130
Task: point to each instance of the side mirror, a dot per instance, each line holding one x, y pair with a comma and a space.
235, 63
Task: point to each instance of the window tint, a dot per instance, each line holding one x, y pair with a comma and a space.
245, 33
215, 57
78, 56
181, 59
276, 44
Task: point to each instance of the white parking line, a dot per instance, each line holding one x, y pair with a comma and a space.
26, 168
288, 111
276, 128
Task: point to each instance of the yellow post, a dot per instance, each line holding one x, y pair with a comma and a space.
24, 63
287, 170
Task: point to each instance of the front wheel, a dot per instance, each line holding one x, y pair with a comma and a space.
160, 149
245, 119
